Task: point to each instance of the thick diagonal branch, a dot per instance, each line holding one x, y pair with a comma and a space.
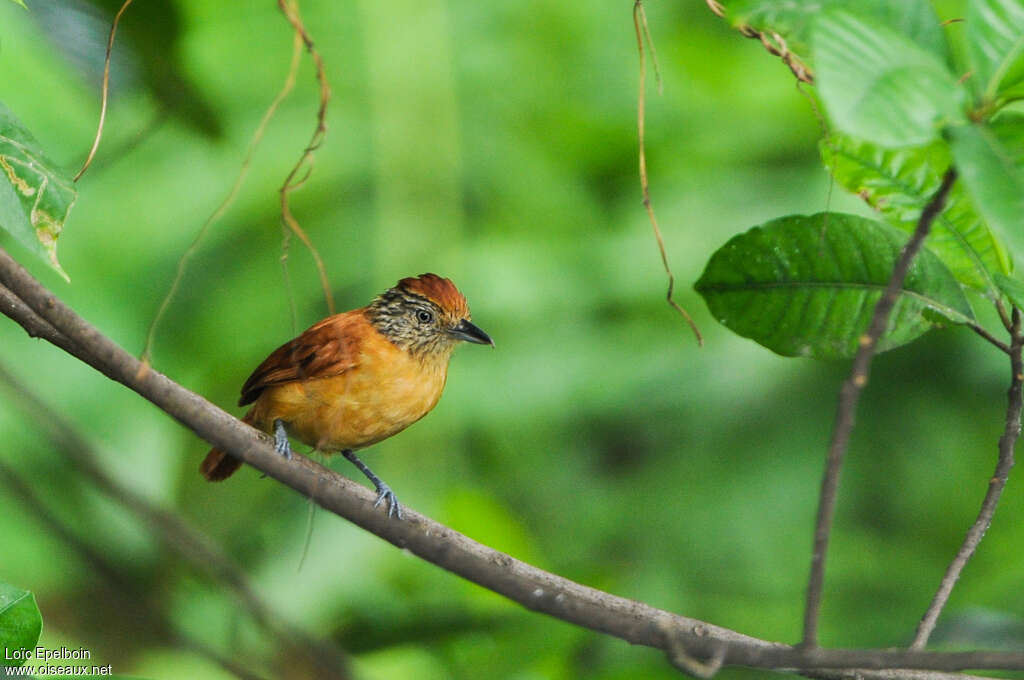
848, 397
542, 591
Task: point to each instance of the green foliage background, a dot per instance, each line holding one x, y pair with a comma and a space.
494, 143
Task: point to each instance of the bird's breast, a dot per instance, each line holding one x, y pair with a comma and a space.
387, 391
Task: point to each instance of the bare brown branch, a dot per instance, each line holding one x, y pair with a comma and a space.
988, 337
848, 398
534, 588
37, 327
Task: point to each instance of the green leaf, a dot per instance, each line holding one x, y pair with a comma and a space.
877, 84
20, 2
35, 195
916, 19
995, 47
898, 183
1013, 289
994, 181
20, 623
1008, 127
807, 286
14, 220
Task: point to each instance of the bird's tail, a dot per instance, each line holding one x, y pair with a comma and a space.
218, 465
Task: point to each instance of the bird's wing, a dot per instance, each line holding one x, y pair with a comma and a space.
326, 349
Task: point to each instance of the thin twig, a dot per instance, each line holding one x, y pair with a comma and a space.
105, 91
290, 9
776, 45
254, 141
1003, 315
178, 536
980, 330
640, 24
125, 147
773, 42
848, 397
1011, 431
638, 8
534, 588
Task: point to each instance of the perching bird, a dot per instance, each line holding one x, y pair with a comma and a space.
356, 378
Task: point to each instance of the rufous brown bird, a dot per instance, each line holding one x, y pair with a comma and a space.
356, 378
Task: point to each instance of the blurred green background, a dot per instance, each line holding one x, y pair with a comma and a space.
494, 143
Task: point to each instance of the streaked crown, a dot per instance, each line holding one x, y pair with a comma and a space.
419, 314
439, 290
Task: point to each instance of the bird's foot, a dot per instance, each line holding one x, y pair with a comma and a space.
386, 495
384, 492
281, 440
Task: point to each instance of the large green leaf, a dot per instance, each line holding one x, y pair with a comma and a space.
879, 85
992, 178
807, 286
995, 47
20, 623
35, 195
915, 19
898, 183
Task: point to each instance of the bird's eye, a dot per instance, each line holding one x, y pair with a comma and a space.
423, 316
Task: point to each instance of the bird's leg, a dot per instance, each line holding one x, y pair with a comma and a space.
384, 492
281, 439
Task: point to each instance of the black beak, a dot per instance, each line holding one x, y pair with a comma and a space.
470, 333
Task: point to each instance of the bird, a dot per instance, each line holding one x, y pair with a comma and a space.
359, 377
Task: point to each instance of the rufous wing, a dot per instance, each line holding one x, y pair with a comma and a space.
326, 349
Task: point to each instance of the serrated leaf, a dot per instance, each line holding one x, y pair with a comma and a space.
42, 192
878, 85
898, 183
808, 285
995, 183
995, 47
916, 19
1013, 289
20, 623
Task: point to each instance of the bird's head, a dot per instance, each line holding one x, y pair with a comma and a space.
425, 315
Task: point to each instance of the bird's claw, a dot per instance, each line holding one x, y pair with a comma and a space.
386, 495
281, 440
